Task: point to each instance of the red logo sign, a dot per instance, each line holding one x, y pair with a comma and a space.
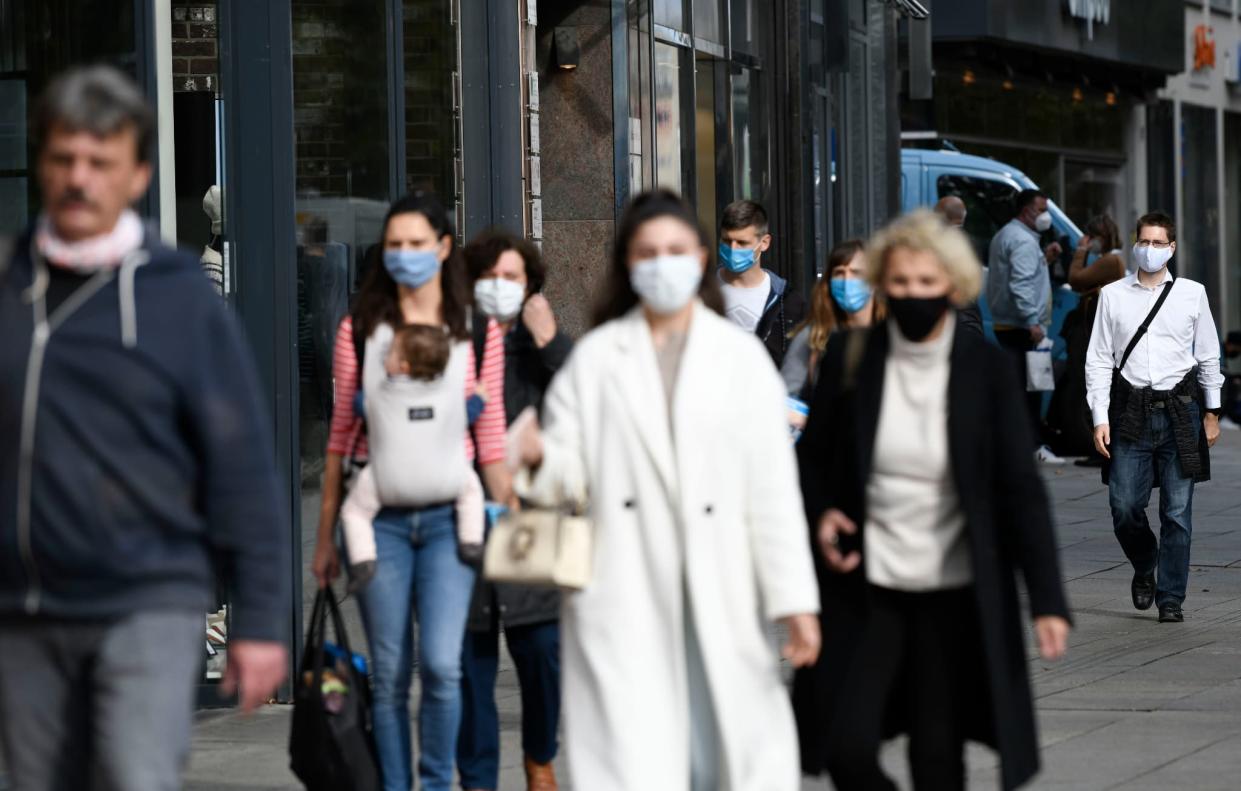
1204, 48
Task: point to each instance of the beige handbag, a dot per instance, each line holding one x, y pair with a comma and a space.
540, 546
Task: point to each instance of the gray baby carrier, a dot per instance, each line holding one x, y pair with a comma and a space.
415, 429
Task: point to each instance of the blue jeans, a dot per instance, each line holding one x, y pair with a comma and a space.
536, 655
1135, 467
418, 573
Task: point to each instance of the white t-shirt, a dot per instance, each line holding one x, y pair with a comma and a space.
744, 306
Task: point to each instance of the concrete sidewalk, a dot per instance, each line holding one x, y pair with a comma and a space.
1136, 705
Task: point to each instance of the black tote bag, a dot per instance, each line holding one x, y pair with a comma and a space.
331, 746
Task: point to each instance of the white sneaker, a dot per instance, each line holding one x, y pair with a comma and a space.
1045, 456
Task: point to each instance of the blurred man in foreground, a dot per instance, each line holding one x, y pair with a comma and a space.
137, 465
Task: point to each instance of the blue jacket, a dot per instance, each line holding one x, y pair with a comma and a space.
1018, 286
136, 460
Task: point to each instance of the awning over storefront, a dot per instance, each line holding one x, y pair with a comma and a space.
1133, 45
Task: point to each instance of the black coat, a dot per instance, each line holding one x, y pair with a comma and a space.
1007, 519
528, 370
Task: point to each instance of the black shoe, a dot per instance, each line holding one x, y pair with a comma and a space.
1171, 613
1143, 590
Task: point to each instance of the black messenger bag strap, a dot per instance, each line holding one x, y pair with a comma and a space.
1146, 323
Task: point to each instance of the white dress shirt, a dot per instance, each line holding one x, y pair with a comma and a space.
1181, 336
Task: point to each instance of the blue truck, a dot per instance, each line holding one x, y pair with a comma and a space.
988, 188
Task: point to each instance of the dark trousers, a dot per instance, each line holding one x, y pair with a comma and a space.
535, 650
99, 705
1135, 467
928, 646
1016, 343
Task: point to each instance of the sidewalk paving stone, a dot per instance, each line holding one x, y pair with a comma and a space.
1136, 704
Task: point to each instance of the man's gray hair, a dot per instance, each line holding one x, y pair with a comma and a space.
101, 100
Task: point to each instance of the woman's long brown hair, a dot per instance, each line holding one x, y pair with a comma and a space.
825, 315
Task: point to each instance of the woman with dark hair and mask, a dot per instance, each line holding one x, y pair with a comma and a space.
668, 423
1097, 261
925, 504
508, 276
419, 572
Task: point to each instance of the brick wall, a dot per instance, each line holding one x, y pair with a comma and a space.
195, 46
340, 98
430, 44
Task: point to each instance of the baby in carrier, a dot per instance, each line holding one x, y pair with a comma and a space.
417, 420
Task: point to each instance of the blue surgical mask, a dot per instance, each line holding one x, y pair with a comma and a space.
411, 268
850, 293
735, 260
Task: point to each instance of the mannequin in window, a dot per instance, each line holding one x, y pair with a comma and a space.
212, 259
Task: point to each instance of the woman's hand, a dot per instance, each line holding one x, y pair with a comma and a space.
1084, 242
1053, 636
804, 641
327, 562
529, 442
833, 523
538, 317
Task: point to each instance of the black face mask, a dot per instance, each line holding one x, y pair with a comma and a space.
917, 317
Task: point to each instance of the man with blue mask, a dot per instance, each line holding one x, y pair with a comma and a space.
1153, 383
755, 299
1019, 295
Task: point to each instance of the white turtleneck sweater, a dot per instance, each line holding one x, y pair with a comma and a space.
915, 531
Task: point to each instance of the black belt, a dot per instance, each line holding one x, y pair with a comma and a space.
1163, 402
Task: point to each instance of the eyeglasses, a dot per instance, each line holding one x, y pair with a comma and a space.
1143, 243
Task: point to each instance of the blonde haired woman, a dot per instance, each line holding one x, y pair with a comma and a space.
924, 506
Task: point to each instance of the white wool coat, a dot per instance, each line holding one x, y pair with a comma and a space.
711, 506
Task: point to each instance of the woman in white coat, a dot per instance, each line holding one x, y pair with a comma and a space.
670, 423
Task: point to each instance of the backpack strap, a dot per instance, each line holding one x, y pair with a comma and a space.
478, 330
1146, 323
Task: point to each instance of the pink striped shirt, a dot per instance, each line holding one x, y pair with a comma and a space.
348, 432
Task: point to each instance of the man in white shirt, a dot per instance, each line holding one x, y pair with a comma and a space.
756, 300
1159, 415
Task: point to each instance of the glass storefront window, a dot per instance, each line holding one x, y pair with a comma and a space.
751, 131
1197, 254
641, 133
668, 116
1091, 189
670, 13
705, 193
430, 129
38, 40
857, 157
749, 19
343, 188
1161, 157
709, 20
